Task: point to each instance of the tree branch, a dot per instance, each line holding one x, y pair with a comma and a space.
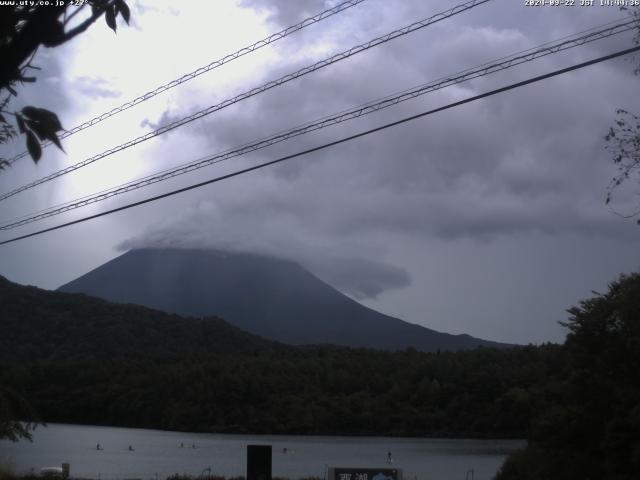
75, 12
97, 13
26, 41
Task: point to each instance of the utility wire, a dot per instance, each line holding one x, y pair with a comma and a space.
331, 144
250, 93
207, 68
368, 108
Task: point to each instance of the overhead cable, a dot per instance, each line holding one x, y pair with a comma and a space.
255, 91
370, 107
207, 68
330, 144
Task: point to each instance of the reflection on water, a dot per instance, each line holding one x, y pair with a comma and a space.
157, 454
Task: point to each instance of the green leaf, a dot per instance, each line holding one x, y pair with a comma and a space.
44, 123
44, 132
110, 17
46, 117
31, 112
52, 120
33, 146
123, 8
54, 138
97, 6
20, 123
37, 127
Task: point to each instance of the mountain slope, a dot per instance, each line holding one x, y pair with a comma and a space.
39, 324
273, 298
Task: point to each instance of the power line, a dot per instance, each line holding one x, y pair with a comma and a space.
331, 144
207, 68
368, 108
255, 91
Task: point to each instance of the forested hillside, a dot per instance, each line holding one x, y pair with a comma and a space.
39, 324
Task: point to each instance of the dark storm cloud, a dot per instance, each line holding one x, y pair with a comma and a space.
245, 228
359, 277
527, 161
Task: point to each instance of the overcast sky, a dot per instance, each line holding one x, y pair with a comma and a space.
487, 219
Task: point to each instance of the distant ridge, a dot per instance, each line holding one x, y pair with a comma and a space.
37, 324
273, 298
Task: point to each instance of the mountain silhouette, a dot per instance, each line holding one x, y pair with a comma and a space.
274, 298
38, 324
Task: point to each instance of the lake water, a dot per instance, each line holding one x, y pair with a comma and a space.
158, 454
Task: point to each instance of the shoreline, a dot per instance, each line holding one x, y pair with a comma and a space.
282, 435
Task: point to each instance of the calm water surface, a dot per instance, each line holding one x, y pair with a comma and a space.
159, 454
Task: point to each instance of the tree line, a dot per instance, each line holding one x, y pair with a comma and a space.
319, 390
